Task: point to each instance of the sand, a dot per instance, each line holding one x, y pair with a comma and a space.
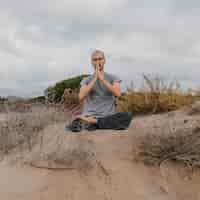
120, 178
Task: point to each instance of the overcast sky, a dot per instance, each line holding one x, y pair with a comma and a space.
42, 42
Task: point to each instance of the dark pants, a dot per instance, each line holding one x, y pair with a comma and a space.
116, 121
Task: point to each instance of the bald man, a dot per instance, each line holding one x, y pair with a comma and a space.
97, 93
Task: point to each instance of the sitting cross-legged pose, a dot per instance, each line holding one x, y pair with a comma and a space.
97, 93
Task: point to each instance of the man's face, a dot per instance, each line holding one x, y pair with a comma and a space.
98, 60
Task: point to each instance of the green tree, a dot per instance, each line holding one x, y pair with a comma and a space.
54, 93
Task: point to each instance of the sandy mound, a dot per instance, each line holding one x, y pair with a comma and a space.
52, 168
56, 150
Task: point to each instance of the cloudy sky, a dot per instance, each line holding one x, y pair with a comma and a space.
42, 42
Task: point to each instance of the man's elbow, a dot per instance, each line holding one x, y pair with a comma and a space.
80, 97
118, 94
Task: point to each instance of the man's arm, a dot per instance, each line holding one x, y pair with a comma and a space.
85, 89
113, 88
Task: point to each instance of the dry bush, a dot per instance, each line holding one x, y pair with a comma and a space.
70, 102
20, 106
17, 129
194, 108
3, 108
184, 147
156, 97
197, 94
70, 97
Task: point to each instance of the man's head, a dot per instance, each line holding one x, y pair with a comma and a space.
98, 59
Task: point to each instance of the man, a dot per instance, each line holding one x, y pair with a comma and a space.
97, 93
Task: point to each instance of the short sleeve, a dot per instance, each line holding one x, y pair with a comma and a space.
84, 81
116, 79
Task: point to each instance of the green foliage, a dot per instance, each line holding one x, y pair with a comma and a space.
54, 93
39, 99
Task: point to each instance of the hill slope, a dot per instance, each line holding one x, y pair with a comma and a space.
109, 172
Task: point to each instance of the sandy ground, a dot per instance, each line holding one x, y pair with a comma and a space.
124, 177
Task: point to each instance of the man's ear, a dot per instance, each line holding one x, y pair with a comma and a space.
104, 60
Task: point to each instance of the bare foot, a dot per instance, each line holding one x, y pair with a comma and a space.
76, 116
89, 119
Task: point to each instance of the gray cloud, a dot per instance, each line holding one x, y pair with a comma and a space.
42, 42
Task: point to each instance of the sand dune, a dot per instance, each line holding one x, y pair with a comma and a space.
109, 172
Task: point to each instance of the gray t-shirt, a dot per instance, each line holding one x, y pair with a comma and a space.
99, 101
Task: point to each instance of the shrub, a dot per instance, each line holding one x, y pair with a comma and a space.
54, 93
154, 149
21, 128
156, 97
38, 99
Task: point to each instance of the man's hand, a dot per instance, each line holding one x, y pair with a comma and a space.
85, 89
96, 73
100, 75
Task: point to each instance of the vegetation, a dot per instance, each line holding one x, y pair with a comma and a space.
157, 96
54, 93
38, 99
184, 147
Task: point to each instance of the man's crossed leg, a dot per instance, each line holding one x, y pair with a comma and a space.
88, 119
116, 121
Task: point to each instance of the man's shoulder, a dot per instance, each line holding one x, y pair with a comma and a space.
86, 79
112, 77
108, 74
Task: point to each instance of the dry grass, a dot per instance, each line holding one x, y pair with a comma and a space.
184, 147
70, 97
21, 128
156, 97
194, 108
70, 102
21, 107
171, 137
